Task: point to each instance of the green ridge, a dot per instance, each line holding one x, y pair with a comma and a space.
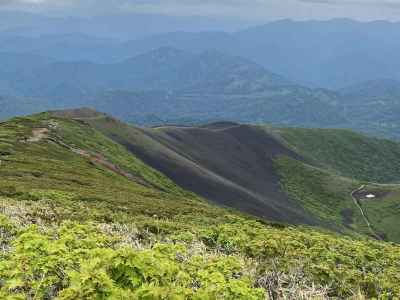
347, 153
72, 228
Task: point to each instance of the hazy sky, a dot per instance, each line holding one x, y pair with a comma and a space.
245, 9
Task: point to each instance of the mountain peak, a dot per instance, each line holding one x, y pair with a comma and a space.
78, 113
164, 53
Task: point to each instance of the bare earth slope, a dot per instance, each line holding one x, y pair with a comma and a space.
227, 163
239, 159
285, 175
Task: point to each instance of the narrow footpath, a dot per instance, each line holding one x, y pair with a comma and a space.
357, 203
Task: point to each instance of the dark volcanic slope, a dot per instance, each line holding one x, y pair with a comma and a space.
227, 163
234, 163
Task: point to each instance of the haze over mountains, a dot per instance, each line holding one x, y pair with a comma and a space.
337, 73
125, 26
171, 85
330, 54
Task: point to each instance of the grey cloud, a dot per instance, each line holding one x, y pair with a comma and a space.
394, 3
248, 9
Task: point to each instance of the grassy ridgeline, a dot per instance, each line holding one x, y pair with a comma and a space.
346, 153
73, 226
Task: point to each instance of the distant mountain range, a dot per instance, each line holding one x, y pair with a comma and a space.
172, 84
160, 69
329, 54
168, 85
373, 106
117, 26
266, 74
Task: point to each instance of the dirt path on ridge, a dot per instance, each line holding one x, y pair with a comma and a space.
357, 203
38, 134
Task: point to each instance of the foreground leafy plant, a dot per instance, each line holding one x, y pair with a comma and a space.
239, 259
77, 261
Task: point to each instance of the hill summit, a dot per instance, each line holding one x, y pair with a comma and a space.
91, 207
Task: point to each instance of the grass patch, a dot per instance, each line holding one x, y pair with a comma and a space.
322, 194
383, 211
347, 153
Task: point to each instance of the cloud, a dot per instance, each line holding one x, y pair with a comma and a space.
248, 9
20, 2
275, 9
377, 3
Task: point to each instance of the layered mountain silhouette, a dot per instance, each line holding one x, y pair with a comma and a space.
315, 53
168, 85
161, 69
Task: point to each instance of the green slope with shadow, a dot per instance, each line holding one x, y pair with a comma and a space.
227, 163
83, 217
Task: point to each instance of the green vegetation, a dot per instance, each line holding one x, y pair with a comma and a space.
327, 194
78, 261
81, 218
31, 168
154, 258
347, 153
86, 138
383, 211
328, 197
322, 194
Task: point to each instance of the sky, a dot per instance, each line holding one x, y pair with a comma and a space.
364, 10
